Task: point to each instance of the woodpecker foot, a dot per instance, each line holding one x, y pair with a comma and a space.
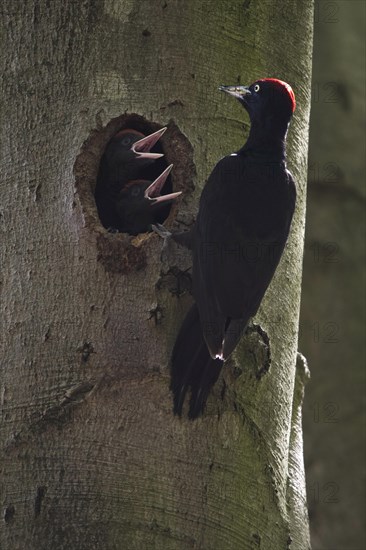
112, 230
165, 234
162, 231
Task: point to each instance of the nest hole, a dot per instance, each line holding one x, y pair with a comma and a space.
122, 178
123, 251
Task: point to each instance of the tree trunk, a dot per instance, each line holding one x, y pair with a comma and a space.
92, 454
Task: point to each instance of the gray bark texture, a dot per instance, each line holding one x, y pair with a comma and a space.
332, 321
92, 456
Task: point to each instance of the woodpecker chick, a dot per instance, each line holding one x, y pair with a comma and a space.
128, 152
139, 202
126, 155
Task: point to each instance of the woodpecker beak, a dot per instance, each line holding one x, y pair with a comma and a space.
142, 147
152, 193
240, 92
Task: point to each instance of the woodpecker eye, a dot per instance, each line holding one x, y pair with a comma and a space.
126, 141
256, 88
135, 191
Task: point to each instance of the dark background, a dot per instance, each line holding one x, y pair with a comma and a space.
332, 323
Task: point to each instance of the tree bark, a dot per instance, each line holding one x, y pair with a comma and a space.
92, 456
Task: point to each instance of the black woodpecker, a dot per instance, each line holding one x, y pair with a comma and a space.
139, 201
244, 218
127, 153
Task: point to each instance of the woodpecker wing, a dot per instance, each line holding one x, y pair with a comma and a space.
243, 222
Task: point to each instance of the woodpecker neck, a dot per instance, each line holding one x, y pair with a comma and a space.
267, 140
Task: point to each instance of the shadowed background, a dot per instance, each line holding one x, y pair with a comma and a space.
332, 312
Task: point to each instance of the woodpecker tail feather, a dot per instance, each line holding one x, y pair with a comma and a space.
192, 366
233, 333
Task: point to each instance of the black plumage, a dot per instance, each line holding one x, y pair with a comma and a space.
242, 226
138, 203
127, 154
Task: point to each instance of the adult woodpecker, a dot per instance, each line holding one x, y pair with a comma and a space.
244, 218
139, 201
126, 155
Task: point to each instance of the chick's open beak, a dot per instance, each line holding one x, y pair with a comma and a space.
142, 147
152, 193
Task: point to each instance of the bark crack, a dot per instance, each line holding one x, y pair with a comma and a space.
41, 491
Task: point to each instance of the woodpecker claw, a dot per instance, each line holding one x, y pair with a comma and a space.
142, 147
112, 230
165, 234
153, 191
162, 231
